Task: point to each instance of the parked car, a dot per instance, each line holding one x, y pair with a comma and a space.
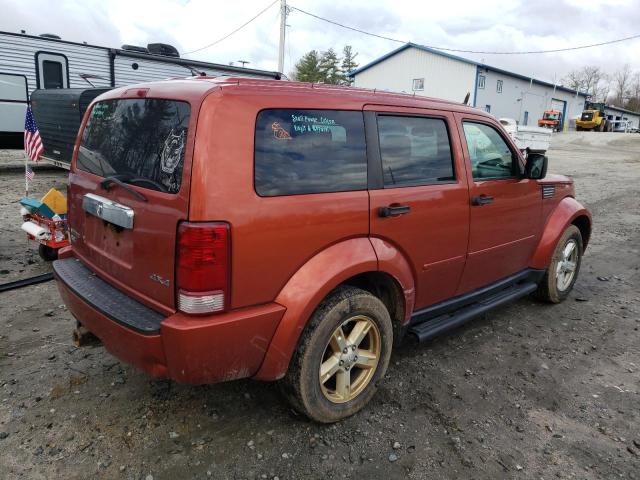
231, 228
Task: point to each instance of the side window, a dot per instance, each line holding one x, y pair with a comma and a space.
414, 151
52, 74
489, 154
309, 151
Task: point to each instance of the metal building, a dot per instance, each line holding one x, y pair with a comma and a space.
424, 71
622, 118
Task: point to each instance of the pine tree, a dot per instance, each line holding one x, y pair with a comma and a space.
325, 67
330, 67
308, 68
348, 63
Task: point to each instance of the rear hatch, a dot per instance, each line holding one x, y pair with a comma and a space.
129, 189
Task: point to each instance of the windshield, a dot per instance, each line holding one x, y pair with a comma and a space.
551, 116
140, 141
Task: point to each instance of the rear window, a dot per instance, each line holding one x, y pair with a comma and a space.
139, 141
309, 151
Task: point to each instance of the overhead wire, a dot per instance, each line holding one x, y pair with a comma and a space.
458, 50
234, 31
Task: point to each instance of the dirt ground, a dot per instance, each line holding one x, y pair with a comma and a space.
527, 391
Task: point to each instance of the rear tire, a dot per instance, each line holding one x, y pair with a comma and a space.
342, 356
47, 253
563, 270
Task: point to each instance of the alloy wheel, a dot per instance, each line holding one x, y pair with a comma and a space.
567, 265
350, 359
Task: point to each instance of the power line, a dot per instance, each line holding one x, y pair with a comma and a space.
236, 30
383, 37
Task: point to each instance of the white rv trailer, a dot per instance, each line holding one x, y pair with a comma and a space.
29, 62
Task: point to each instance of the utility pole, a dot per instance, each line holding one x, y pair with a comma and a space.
283, 26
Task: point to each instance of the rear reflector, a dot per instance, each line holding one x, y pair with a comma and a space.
189, 302
202, 270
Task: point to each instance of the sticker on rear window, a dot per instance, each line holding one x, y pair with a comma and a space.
279, 132
172, 152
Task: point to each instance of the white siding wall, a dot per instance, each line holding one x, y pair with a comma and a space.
614, 114
519, 96
444, 77
18, 55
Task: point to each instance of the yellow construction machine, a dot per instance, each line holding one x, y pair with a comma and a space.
594, 118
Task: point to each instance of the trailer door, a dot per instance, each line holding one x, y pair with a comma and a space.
52, 70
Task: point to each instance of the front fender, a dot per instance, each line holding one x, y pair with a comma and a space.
304, 292
568, 210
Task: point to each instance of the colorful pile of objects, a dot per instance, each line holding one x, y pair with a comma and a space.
45, 221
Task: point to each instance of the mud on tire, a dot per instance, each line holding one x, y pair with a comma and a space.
351, 309
552, 288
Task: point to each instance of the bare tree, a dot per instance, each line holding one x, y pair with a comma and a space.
573, 80
634, 93
622, 80
602, 89
589, 79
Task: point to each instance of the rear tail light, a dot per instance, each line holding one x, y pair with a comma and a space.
202, 269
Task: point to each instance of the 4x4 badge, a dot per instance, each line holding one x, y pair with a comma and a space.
157, 278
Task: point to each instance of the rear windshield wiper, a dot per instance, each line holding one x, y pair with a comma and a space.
114, 179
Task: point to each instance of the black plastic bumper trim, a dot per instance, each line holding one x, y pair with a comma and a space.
105, 298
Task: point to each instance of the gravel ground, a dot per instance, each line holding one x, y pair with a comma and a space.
527, 391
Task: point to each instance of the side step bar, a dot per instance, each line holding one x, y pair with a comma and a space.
436, 326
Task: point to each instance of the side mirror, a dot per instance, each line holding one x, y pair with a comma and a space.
536, 166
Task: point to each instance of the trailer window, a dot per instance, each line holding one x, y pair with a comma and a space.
52, 74
140, 141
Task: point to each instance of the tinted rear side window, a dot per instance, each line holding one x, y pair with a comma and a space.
140, 141
309, 151
414, 151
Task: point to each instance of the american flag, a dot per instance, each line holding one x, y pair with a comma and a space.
32, 141
29, 174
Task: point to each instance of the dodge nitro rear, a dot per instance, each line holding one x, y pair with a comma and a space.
231, 228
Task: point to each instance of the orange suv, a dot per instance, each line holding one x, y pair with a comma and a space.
224, 228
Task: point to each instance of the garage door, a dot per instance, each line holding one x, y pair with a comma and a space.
559, 105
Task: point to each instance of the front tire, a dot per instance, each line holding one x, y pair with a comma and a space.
563, 270
342, 356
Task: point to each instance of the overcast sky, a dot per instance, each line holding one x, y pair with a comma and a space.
491, 25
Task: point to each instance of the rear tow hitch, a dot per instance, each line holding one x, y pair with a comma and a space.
83, 337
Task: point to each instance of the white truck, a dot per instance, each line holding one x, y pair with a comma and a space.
532, 139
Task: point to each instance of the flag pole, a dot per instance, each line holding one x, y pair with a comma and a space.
26, 177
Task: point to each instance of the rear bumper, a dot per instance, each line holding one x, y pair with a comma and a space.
194, 350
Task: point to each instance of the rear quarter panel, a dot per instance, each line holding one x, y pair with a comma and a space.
272, 237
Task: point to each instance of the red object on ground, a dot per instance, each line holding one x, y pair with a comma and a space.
53, 226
